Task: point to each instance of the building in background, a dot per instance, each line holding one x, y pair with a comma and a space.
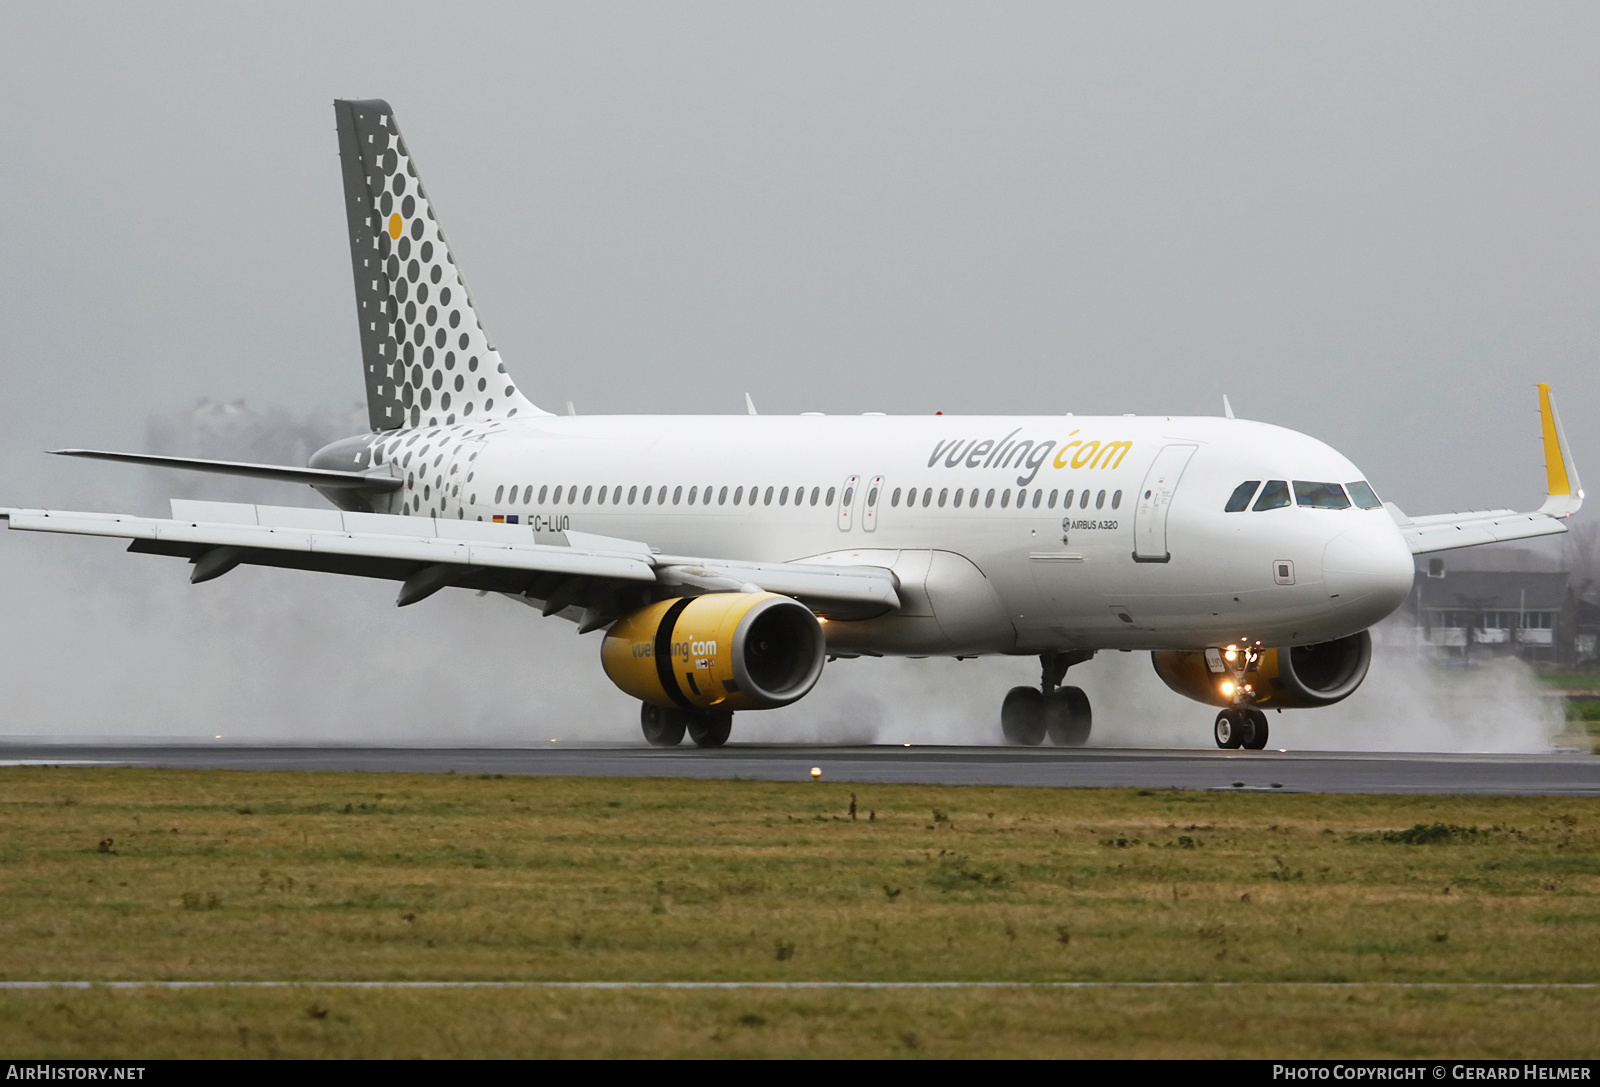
1508, 602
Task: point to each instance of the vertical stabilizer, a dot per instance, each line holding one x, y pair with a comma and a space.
424, 353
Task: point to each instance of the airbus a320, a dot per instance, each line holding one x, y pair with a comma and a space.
725, 559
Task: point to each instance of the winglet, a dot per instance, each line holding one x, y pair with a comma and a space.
1564, 491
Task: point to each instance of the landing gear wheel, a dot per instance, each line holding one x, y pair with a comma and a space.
1228, 730
710, 729
663, 726
1255, 737
1067, 717
1022, 716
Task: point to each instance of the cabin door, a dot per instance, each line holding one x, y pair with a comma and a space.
1154, 502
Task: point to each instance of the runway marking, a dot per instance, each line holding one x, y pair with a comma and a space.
25, 985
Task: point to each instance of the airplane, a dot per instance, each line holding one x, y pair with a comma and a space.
727, 558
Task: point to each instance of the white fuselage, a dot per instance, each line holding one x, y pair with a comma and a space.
1144, 558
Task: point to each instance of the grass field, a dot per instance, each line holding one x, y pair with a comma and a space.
132, 875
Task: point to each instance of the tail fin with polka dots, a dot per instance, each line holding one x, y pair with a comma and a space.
425, 354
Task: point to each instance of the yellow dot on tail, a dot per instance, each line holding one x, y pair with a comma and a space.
394, 226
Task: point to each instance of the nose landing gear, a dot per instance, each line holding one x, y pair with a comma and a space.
1029, 714
1236, 670
1244, 727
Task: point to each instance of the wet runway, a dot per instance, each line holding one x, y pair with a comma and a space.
1267, 771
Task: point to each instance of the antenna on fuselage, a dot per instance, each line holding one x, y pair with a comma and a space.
1227, 408
749, 405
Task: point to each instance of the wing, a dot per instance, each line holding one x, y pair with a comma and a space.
1563, 498
590, 579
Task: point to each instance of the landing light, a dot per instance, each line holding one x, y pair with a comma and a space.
1227, 688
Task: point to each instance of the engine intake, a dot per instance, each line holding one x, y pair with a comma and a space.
1300, 677
729, 651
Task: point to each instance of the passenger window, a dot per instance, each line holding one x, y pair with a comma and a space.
1066, 503
1100, 501
768, 500
738, 495
816, 492
1116, 500
1005, 499
544, 492
722, 497
661, 495
1320, 496
830, 496
1239, 501
960, 494
647, 491
1083, 500
783, 497
1274, 495
498, 493
633, 492
586, 492
894, 499
1363, 495
927, 498
988, 499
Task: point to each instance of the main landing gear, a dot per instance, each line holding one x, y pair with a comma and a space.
665, 726
1029, 714
1241, 727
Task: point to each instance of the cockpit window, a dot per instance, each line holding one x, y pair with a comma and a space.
1320, 496
1363, 495
1241, 496
1274, 495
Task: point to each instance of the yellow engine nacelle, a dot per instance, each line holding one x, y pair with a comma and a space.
723, 651
1297, 678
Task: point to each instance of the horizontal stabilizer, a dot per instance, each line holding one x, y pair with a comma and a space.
314, 477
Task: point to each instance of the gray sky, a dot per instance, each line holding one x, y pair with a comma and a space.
1376, 223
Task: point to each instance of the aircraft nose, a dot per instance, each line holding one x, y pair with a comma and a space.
1368, 568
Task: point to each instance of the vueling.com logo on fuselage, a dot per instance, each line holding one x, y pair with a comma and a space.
1027, 455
